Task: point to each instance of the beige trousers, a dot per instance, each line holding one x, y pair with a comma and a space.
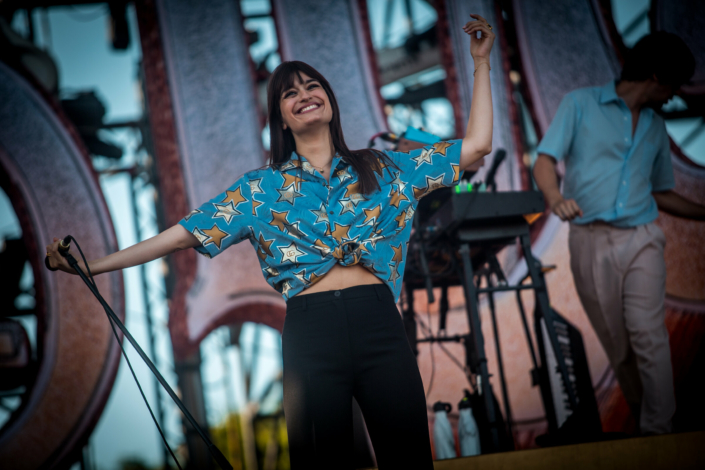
620, 275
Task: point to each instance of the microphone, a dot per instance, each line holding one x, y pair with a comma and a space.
386, 136
64, 246
498, 159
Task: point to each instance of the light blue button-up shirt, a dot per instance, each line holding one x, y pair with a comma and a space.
610, 173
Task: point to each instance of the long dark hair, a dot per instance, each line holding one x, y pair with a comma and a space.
365, 161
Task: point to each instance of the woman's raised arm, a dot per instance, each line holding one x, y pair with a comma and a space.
173, 239
478, 136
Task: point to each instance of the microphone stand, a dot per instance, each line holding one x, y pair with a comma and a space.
215, 452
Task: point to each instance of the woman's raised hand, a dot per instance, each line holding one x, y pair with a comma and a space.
480, 47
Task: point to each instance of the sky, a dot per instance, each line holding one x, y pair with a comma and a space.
77, 38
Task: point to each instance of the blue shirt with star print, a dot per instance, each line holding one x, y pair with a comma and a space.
609, 172
302, 225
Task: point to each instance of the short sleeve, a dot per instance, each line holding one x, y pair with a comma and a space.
223, 221
431, 167
662, 171
559, 136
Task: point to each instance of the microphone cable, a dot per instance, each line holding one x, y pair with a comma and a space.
122, 348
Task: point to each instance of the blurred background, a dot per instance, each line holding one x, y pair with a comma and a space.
117, 118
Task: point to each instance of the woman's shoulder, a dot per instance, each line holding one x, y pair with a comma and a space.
260, 174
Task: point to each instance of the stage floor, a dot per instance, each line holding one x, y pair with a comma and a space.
667, 452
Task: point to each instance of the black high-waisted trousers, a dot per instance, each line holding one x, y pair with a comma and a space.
343, 344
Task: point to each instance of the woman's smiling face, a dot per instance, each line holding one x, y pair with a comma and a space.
305, 105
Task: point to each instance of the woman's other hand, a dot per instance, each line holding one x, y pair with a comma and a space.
480, 47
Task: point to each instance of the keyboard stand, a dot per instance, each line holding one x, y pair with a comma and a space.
503, 233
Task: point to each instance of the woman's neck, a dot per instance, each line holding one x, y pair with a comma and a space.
316, 146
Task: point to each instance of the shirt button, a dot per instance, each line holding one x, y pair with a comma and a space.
626, 139
624, 183
620, 204
625, 118
331, 212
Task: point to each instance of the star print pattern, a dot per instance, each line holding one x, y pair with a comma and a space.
290, 253
371, 215
301, 276
441, 147
302, 225
431, 185
347, 206
321, 214
288, 195
343, 174
340, 232
397, 198
255, 205
227, 211
456, 172
235, 197
271, 272
265, 248
215, 235
423, 157
255, 186
192, 213
279, 219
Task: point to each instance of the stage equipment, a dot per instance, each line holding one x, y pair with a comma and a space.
443, 438
458, 245
567, 422
468, 433
64, 246
385, 136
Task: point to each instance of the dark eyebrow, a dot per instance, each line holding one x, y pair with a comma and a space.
305, 83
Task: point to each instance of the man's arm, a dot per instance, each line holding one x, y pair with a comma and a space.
547, 181
675, 204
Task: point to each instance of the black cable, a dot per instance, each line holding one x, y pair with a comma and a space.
213, 449
124, 353
161, 433
427, 330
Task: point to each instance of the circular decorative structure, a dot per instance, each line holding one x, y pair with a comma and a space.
51, 185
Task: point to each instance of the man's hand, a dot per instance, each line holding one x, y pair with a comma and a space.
547, 181
566, 209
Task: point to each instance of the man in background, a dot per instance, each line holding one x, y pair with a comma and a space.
618, 174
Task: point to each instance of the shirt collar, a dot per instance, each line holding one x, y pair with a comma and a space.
297, 160
608, 93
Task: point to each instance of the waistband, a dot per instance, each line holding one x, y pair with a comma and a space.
601, 224
368, 290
